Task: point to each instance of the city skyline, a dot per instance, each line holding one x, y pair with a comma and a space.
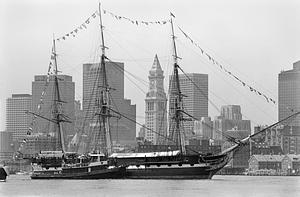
255, 44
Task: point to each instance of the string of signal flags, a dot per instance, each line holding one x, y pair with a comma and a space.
88, 21
212, 60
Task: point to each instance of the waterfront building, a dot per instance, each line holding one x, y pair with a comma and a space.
6, 149
156, 106
291, 164
266, 162
43, 100
123, 131
289, 94
194, 87
291, 140
17, 121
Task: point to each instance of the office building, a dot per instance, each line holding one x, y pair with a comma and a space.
123, 131
194, 87
289, 94
156, 106
231, 112
230, 118
43, 99
6, 149
203, 129
17, 121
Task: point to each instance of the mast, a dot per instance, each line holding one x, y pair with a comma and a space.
178, 117
57, 111
104, 114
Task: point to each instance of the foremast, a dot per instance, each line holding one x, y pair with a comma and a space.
57, 113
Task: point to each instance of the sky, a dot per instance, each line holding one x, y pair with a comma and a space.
254, 39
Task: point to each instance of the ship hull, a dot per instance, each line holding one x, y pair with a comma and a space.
170, 165
113, 173
3, 174
170, 172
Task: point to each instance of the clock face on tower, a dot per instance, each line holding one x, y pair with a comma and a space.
152, 84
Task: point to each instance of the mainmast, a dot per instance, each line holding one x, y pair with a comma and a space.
178, 117
104, 110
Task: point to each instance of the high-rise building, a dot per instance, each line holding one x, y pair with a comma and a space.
289, 94
17, 121
203, 128
43, 102
230, 118
123, 131
156, 106
194, 87
6, 149
231, 112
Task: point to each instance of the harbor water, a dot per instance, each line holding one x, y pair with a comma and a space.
273, 186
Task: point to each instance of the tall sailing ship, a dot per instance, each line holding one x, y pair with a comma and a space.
180, 163
169, 164
59, 164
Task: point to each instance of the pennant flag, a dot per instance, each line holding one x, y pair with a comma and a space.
266, 98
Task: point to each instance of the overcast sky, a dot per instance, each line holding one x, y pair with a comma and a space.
254, 39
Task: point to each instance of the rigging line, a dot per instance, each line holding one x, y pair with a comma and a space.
269, 100
129, 43
138, 78
226, 62
127, 72
222, 99
120, 69
200, 90
138, 65
88, 112
130, 119
211, 127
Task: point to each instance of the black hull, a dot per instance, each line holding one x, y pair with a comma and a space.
114, 173
172, 173
188, 167
3, 174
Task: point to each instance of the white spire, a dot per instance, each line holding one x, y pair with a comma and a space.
156, 65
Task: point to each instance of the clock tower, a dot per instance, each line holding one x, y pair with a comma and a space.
156, 105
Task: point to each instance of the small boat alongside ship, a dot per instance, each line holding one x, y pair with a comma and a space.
3, 173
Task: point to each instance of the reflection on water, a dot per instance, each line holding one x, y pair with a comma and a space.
21, 185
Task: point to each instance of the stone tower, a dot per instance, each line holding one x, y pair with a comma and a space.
156, 106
